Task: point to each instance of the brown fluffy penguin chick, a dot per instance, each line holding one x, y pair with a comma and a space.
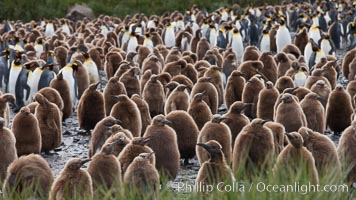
53, 96
82, 77
290, 114
100, 134
284, 63
163, 141
214, 73
142, 177
351, 89
50, 123
211, 93
7, 148
89, 115
215, 130
236, 120
144, 111
215, 169
316, 76
187, 133
314, 112
269, 66
120, 140
27, 132
112, 88
234, 87
133, 149
128, 113
330, 73
248, 154
202, 47
323, 150
62, 86
130, 81
5, 99
104, 169
349, 56
301, 39
251, 53
338, 110
283, 83
346, 151
250, 95
266, 101
177, 100
30, 174
250, 68
323, 90
199, 110
295, 157
73, 182
153, 94
278, 136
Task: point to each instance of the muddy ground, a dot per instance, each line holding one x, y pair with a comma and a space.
76, 145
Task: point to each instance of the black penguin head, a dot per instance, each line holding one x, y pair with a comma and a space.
214, 149
142, 141
238, 107
94, 86
199, 96
181, 87
172, 85
17, 61
76, 163
295, 139
160, 120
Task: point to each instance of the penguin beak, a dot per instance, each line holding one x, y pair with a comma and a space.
289, 136
206, 147
167, 122
264, 121
145, 140
85, 161
117, 121
97, 84
263, 76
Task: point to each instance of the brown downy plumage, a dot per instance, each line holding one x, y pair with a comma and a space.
73, 182
153, 94
30, 174
89, 115
294, 157
130, 81
112, 88
144, 112
266, 101
214, 73
234, 87
278, 136
50, 123
215, 130
346, 151
7, 148
27, 132
177, 100
62, 86
250, 95
314, 112
215, 169
323, 90
163, 141
254, 149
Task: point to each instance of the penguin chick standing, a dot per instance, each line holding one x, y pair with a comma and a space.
323, 150
295, 157
346, 150
266, 100
50, 123
5, 99
236, 120
128, 113
290, 114
163, 141
105, 169
27, 132
199, 110
215, 130
91, 69
112, 88
314, 112
88, 114
187, 133
62, 86
30, 174
215, 169
153, 94
7, 148
142, 176
250, 95
177, 100
339, 110
211, 93
248, 154
234, 88
73, 182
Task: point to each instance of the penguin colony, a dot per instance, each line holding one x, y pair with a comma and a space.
271, 68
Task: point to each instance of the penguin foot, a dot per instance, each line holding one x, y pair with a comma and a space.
186, 162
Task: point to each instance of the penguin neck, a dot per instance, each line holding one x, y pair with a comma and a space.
217, 158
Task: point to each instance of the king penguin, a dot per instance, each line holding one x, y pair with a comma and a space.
168, 35
68, 74
283, 36
265, 42
49, 30
237, 44
91, 68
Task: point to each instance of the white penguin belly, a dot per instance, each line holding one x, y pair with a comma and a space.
169, 38
283, 38
33, 82
13, 76
68, 75
300, 79
325, 46
92, 70
238, 48
307, 52
265, 45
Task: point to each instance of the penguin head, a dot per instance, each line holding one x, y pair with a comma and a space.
146, 156
305, 133
111, 121
213, 148
8, 98
86, 55
287, 98
339, 87
320, 83
238, 107
42, 100
269, 85
94, 86
160, 120
107, 148
181, 87
142, 141
2, 123
295, 139
199, 96
172, 85
314, 96
258, 122
75, 65
25, 110
121, 97
17, 61
217, 118
76, 163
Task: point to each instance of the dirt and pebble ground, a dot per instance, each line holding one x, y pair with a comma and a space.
76, 144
